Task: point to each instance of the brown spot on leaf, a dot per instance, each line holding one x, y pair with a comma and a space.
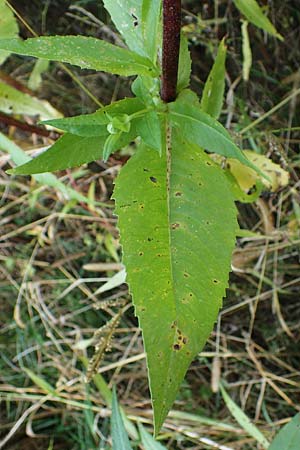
153, 179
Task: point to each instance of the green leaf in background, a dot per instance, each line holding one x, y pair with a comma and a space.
19, 157
185, 64
247, 54
288, 437
82, 51
213, 93
119, 435
8, 27
13, 101
244, 420
151, 31
149, 129
148, 441
170, 229
252, 11
95, 124
35, 79
198, 127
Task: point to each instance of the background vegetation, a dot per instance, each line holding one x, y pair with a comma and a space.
57, 255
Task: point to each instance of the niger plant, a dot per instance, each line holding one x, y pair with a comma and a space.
175, 202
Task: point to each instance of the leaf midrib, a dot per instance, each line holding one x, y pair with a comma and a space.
168, 145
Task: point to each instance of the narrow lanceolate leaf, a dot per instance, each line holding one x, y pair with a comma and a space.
255, 15
8, 26
202, 129
289, 437
185, 65
213, 93
119, 435
95, 124
69, 151
169, 220
72, 151
151, 29
85, 52
198, 127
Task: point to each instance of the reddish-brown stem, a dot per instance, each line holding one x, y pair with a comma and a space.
11, 121
170, 50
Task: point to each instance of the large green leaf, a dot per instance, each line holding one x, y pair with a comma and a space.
13, 101
8, 26
138, 22
198, 127
288, 437
177, 254
85, 52
95, 124
253, 12
213, 93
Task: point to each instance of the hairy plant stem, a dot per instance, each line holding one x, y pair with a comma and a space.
170, 50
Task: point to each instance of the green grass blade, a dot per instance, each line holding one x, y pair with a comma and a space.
120, 439
244, 420
40, 382
168, 210
82, 51
288, 437
148, 441
19, 157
